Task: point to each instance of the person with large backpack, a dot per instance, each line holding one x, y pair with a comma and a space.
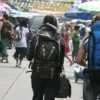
89, 56
46, 54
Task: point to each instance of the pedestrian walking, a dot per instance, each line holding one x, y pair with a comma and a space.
6, 36
89, 45
66, 41
21, 43
47, 55
75, 41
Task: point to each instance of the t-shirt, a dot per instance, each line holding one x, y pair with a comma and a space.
84, 45
75, 37
75, 40
22, 42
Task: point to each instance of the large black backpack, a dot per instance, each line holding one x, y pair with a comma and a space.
46, 55
94, 54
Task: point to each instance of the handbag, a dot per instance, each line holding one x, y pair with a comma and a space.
64, 88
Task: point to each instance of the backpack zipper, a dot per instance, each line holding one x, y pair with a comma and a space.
52, 50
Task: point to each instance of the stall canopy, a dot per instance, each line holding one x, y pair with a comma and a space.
90, 6
76, 14
63, 0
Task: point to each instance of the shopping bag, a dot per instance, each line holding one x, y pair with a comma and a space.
64, 88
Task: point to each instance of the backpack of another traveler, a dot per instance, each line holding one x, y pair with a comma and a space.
46, 55
94, 53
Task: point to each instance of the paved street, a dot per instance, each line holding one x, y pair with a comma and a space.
15, 83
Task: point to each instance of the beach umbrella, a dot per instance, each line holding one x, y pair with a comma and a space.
5, 6
3, 10
15, 12
76, 14
90, 6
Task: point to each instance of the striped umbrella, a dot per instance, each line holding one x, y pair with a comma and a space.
3, 10
5, 6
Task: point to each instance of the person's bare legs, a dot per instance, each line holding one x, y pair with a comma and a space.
71, 62
2, 59
16, 62
6, 58
20, 62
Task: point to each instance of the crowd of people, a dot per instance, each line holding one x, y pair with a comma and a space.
69, 39
72, 34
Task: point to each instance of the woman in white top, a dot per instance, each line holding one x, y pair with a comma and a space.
21, 45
